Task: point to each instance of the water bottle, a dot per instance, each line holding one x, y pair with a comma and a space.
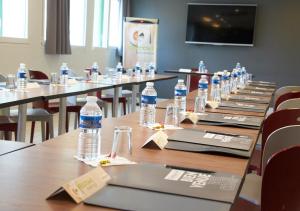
89, 141
201, 67
215, 88
64, 74
151, 69
22, 77
148, 104
238, 66
243, 77
137, 70
234, 81
225, 85
203, 86
180, 95
95, 71
119, 69
202, 92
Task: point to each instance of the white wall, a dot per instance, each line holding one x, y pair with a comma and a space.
32, 53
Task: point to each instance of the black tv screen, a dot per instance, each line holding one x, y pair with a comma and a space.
220, 24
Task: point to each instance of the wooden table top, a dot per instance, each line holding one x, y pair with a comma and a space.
12, 146
188, 73
29, 176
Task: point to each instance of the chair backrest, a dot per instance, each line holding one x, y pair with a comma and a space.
280, 183
279, 119
2, 78
284, 90
35, 74
285, 97
280, 139
289, 104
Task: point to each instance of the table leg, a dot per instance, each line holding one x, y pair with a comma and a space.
135, 90
188, 82
117, 92
22, 122
62, 115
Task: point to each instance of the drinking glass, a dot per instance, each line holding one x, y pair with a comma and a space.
53, 78
199, 104
129, 72
172, 115
121, 133
11, 82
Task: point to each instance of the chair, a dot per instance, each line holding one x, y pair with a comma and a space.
7, 126
284, 90
273, 122
280, 182
286, 96
289, 104
33, 115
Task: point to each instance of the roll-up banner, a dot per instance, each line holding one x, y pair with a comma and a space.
139, 42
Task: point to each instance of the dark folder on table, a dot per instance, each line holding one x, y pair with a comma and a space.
157, 187
209, 142
231, 105
219, 119
245, 98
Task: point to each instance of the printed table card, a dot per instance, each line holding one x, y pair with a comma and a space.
158, 140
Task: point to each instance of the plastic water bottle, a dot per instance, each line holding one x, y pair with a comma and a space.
137, 70
89, 141
201, 67
95, 71
238, 66
180, 95
202, 92
64, 73
151, 69
119, 69
243, 77
148, 104
234, 81
215, 88
225, 85
22, 77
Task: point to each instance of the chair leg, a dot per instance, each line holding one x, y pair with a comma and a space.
67, 121
50, 125
6, 135
124, 107
105, 109
32, 131
43, 130
47, 131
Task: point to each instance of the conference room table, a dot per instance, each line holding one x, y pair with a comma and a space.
36, 172
48, 92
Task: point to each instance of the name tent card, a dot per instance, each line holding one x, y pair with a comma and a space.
190, 118
157, 141
84, 186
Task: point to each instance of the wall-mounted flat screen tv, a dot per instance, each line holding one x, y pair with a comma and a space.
221, 24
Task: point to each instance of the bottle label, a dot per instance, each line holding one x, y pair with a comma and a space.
235, 75
148, 99
203, 85
94, 70
215, 81
90, 121
180, 92
64, 72
22, 75
119, 70
225, 77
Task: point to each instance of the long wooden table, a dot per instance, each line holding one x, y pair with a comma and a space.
32, 174
48, 92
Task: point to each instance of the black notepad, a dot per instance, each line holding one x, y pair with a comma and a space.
245, 98
255, 93
212, 139
242, 106
190, 147
124, 198
219, 119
